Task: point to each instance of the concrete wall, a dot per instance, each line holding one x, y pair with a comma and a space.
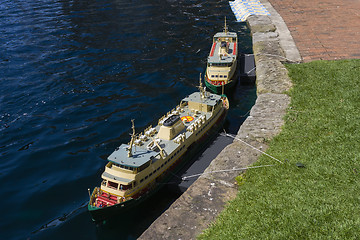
199, 206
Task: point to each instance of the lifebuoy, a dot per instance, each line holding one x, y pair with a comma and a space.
187, 118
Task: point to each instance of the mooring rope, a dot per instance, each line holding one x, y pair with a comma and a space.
226, 170
236, 169
273, 55
236, 138
229, 135
270, 55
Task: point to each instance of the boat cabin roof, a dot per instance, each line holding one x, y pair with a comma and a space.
140, 156
210, 100
107, 175
223, 34
216, 57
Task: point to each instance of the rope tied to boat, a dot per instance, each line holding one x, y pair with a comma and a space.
272, 55
237, 169
225, 170
247, 144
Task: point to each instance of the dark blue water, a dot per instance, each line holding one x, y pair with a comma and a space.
72, 76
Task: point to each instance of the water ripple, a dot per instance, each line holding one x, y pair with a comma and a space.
72, 75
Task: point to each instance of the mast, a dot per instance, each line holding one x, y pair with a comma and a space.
201, 88
225, 27
129, 149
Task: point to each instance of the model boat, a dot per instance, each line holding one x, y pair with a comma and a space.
221, 70
138, 169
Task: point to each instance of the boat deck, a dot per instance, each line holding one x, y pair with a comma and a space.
216, 57
141, 153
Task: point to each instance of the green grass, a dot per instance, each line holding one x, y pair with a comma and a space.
321, 131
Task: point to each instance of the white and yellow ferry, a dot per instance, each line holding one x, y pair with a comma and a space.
138, 169
221, 70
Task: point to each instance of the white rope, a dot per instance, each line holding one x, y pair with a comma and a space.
226, 170
248, 72
236, 169
228, 135
273, 55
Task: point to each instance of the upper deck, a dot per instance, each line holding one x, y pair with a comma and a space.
224, 48
194, 108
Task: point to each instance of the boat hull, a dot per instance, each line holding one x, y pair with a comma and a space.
218, 89
100, 214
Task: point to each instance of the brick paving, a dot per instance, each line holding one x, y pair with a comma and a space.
323, 29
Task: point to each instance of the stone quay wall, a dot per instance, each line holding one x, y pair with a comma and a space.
200, 204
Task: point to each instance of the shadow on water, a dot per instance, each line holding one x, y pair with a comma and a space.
126, 226
138, 219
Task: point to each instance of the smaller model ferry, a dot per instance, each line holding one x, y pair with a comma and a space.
138, 169
221, 70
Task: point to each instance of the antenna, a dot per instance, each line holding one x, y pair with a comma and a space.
225, 27
129, 149
201, 88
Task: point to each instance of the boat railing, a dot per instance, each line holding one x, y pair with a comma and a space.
93, 196
180, 139
111, 187
103, 183
150, 131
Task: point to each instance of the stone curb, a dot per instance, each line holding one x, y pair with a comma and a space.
198, 207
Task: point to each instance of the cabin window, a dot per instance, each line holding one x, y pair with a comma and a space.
158, 169
112, 185
144, 166
146, 177
154, 171
212, 76
150, 174
141, 180
221, 64
225, 76
125, 187
126, 167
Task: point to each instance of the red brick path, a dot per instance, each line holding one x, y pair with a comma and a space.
323, 29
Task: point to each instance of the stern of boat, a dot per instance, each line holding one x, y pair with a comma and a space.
93, 196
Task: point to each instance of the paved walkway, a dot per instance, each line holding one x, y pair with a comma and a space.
323, 29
